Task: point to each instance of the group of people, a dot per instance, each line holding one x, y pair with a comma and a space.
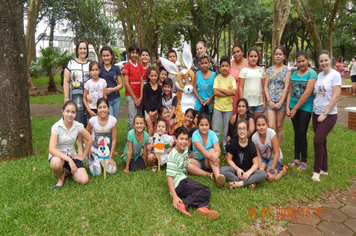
233, 95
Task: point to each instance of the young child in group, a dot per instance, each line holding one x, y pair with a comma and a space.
251, 82
160, 136
163, 114
189, 125
172, 56
242, 159
135, 152
103, 129
163, 74
169, 99
95, 88
224, 89
152, 94
268, 146
145, 62
133, 79
185, 191
203, 86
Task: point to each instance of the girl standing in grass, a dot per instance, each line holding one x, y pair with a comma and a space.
94, 88
327, 91
203, 86
133, 78
243, 160
300, 106
251, 82
62, 157
206, 152
268, 146
103, 126
276, 90
135, 152
152, 94
112, 76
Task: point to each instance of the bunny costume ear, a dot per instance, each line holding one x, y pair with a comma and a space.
187, 56
169, 66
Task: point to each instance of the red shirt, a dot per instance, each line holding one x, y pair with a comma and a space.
134, 74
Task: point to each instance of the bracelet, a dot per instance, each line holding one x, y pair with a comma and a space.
325, 113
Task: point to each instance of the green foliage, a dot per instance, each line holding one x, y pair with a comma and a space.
117, 54
47, 99
139, 203
43, 81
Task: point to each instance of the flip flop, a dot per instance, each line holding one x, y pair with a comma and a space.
302, 167
57, 186
293, 163
283, 167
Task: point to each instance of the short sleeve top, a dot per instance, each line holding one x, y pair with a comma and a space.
242, 156
299, 84
134, 72
66, 138
266, 148
224, 103
110, 77
137, 147
95, 90
212, 138
252, 90
177, 165
324, 91
101, 131
276, 83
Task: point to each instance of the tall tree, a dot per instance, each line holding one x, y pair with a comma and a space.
281, 11
34, 7
15, 128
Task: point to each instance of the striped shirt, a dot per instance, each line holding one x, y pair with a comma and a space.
177, 165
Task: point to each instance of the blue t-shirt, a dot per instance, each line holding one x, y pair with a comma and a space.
204, 89
111, 79
212, 138
299, 84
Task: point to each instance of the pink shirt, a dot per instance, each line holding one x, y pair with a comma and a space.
235, 73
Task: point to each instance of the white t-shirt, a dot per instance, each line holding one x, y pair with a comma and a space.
353, 69
95, 90
323, 90
66, 138
101, 131
266, 149
252, 85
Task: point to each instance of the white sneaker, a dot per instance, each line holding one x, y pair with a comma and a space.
316, 177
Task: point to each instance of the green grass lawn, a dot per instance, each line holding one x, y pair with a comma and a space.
57, 98
139, 203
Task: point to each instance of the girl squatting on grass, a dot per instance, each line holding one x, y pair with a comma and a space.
327, 91
102, 126
63, 159
268, 147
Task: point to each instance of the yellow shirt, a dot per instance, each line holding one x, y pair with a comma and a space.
224, 104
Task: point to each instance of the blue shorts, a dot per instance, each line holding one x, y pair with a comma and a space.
256, 109
282, 109
202, 164
269, 163
353, 78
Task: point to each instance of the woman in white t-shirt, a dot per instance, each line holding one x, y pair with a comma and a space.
327, 91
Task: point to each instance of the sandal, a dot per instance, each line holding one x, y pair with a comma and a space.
302, 167
212, 176
293, 163
283, 167
232, 185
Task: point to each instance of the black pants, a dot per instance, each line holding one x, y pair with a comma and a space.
138, 164
300, 125
193, 193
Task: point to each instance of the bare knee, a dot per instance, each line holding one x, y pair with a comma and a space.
81, 177
56, 163
151, 157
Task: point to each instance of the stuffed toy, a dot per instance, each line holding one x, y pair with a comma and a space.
184, 84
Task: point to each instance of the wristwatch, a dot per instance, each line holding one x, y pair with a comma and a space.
325, 113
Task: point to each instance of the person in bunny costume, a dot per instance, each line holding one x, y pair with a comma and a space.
184, 84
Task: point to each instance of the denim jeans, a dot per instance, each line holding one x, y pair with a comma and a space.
132, 111
115, 106
225, 117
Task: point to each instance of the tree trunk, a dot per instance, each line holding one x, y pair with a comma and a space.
51, 85
281, 11
51, 31
15, 128
329, 38
32, 15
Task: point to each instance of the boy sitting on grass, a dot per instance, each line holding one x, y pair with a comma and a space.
185, 191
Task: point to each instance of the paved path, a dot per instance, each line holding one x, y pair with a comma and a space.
339, 218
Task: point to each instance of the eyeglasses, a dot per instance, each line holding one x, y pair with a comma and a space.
241, 129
